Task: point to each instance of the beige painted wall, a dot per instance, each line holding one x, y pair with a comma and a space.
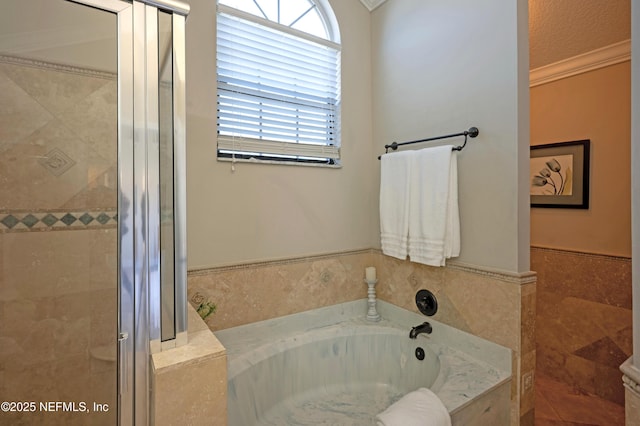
262, 211
418, 86
441, 67
596, 106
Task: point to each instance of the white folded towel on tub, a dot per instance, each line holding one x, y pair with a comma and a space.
421, 407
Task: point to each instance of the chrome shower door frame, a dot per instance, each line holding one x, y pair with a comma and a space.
139, 308
177, 310
128, 268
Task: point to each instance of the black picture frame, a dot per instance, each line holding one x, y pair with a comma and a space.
559, 175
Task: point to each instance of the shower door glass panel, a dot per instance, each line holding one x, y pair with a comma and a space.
58, 213
166, 171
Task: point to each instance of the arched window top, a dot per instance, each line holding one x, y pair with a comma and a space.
278, 78
309, 16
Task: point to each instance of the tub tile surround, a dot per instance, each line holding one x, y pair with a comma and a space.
475, 368
584, 319
496, 306
189, 383
254, 292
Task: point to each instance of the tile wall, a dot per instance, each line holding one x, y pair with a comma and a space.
253, 292
189, 383
496, 306
59, 257
58, 239
584, 319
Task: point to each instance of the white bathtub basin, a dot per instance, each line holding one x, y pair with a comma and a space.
330, 366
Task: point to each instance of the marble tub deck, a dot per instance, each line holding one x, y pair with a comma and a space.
471, 369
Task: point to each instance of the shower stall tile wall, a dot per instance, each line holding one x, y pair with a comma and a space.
58, 220
57, 155
58, 289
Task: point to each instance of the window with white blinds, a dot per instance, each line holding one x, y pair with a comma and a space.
278, 96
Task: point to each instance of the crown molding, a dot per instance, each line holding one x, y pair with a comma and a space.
599, 58
372, 4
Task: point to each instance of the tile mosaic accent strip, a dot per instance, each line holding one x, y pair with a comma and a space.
57, 221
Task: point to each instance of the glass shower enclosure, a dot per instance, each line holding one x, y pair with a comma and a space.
92, 195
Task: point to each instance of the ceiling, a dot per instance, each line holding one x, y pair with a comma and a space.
560, 29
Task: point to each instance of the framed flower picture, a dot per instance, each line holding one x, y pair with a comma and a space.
559, 175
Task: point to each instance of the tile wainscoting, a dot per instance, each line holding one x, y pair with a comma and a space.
583, 319
251, 292
494, 305
497, 306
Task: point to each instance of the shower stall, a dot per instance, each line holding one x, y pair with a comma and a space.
92, 206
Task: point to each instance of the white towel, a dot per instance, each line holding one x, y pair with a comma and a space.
434, 223
452, 235
395, 170
421, 407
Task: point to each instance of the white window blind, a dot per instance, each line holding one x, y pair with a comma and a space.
278, 93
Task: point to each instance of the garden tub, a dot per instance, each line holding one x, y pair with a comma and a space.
331, 366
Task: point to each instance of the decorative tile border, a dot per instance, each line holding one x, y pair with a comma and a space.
17, 60
630, 376
274, 262
611, 257
510, 277
57, 220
